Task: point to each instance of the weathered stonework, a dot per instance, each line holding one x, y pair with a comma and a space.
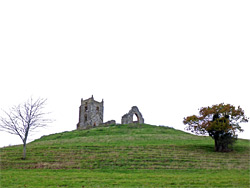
110, 122
128, 118
90, 113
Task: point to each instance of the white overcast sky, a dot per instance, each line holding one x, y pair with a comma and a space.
169, 58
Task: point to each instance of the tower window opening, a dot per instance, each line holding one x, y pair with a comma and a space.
97, 108
85, 118
86, 108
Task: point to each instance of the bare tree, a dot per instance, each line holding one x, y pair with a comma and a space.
25, 118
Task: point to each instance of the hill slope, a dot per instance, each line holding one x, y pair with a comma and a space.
131, 152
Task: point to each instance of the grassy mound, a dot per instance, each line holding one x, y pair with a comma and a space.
125, 156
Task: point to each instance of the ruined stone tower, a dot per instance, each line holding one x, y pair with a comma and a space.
90, 113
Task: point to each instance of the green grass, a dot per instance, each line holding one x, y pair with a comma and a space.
132, 178
125, 156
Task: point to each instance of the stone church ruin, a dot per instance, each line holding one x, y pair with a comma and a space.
91, 115
128, 118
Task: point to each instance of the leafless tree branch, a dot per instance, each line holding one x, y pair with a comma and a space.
25, 118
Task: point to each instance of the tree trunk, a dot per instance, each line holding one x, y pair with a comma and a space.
24, 142
221, 145
215, 145
24, 151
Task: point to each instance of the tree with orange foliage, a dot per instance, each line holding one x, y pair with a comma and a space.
220, 121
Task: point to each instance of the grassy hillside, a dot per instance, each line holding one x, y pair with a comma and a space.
125, 156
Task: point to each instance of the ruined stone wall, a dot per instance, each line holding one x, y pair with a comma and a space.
110, 122
128, 118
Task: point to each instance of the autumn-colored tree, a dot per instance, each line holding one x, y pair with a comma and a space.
220, 121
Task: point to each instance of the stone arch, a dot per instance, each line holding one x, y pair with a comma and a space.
128, 118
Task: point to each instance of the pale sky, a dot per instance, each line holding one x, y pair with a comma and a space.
169, 58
